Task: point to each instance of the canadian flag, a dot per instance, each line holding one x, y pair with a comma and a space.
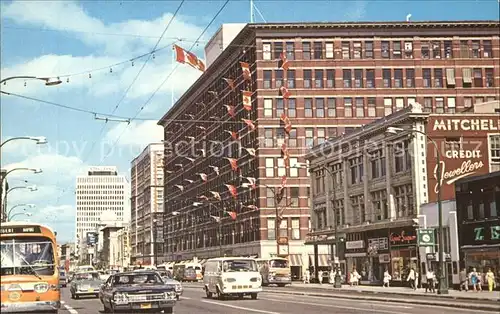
183, 56
216, 195
283, 62
284, 92
230, 110
229, 82
287, 124
180, 187
234, 134
250, 151
233, 162
253, 182
247, 100
250, 123
232, 189
215, 169
203, 197
253, 207
285, 155
203, 176
245, 68
231, 214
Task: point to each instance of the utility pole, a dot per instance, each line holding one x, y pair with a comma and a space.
155, 251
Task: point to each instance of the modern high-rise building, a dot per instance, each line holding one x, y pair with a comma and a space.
325, 80
101, 192
146, 227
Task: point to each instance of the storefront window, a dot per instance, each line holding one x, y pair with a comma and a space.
483, 260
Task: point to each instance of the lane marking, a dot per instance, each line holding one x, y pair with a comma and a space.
241, 308
185, 298
69, 308
332, 305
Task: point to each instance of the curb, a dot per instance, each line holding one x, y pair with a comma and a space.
388, 299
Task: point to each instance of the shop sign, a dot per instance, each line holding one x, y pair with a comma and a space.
379, 243
384, 258
352, 245
466, 125
449, 176
402, 238
480, 233
426, 237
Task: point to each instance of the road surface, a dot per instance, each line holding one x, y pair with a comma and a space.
194, 301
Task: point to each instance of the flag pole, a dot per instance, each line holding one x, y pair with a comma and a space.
171, 84
251, 11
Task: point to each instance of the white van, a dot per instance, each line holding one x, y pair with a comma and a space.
232, 276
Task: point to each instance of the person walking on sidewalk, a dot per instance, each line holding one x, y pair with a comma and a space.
307, 276
411, 278
490, 279
475, 280
430, 281
354, 278
464, 282
387, 279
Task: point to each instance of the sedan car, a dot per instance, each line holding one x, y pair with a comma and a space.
137, 290
85, 284
170, 282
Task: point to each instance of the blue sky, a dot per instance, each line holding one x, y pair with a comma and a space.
44, 38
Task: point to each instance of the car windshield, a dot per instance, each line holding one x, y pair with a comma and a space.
87, 276
27, 256
279, 263
132, 279
239, 265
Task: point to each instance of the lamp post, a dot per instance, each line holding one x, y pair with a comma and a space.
155, 251
19, 214
19, 205
443, 281
277, 214
37, 139
49, 81
32, 188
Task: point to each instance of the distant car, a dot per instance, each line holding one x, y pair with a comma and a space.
137, 290
171, 282
85, 284
63, 280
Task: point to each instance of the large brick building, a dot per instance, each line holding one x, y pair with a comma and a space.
341, 76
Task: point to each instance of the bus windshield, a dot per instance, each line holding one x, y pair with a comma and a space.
239, 265
27, 256
278, 263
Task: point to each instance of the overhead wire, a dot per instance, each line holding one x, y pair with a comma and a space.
135, 78
165, 80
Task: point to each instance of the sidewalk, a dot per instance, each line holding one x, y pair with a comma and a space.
454, 294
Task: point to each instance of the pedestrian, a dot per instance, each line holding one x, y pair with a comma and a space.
332, 275
387, 279
490, 279
307, 276
411, 278
464, 282
320, 277
430, 276
475, 281
354, 278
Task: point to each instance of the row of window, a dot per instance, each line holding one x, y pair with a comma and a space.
396, 49
391, 78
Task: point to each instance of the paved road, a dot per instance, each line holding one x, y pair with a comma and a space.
194, 301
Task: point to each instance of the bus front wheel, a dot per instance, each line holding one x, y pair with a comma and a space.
254, 296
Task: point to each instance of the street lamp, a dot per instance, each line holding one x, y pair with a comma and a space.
155, 251
338, 278
38, 139
19, 214
49, 81
32, 188
443, 281
20, 205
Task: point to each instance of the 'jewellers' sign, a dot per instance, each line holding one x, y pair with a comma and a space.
449, 176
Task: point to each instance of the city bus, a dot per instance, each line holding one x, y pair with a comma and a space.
29, 268
275, 270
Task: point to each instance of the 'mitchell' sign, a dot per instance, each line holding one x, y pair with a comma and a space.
463, 150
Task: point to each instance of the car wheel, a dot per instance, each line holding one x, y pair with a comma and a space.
169, 310
72, 295
106, 309
220, 295
77, 297
209, 294
178, 297
254, 296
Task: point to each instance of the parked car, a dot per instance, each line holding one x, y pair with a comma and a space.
63, 280
137, 290
85, 284
169, 281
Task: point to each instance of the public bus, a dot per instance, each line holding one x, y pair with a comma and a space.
275, 270
29, 268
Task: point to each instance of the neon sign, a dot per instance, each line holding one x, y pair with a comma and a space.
450, 176
402, 237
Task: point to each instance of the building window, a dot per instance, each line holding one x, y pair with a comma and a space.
332, 132
294, 170
280, 137
292, 108
268, 77
360, 107
408, 50
320, 107
410, 78
369, 49
428, 104
439, 105
467, 102
347, 77
487, 49
332, 110
278, 78
290, 78
372, 107
398, 78
386, 77
400, 103
450, 77
309, 137
278, 49
266, 51
385, 49
403, 197
453, 144
464, 49
321, 135
329, 50
448, 49
358, 209
268, 138
281, 167
306, 50
358, 78
438, 78
357, 50
268, 108
436, 50
356, 168
424, 50
402, 157
346, 50
427, 78
318, 78
280, 107
490, 80
494, 143
290, 50
270, 167
377, 159
307, 78
478, 77
292, 138
475, 49
380, 205
271, 228
348, 107
330, 78
396, 50
370, 78
387, 106
295, 221
308, 111
451, 104
318, 50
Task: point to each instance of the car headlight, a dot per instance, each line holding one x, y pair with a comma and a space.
120, 298
255, 279
230, 280
169, 295
41, 287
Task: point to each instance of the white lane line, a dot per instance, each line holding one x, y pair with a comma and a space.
69, 308
185, 298
332, 305
242, 308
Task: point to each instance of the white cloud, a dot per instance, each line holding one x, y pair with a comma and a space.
136, 134
356, 11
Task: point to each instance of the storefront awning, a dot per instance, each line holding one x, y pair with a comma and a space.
296, 260
322, 260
